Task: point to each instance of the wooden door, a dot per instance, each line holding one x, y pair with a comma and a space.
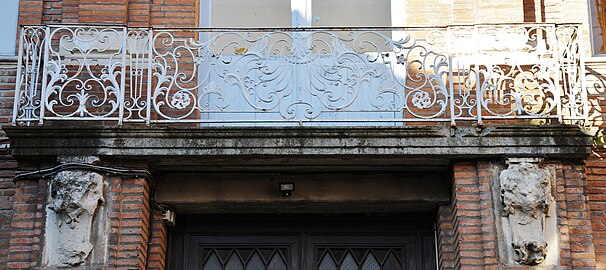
302, 242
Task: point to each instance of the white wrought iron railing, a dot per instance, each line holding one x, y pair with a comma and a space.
298, 76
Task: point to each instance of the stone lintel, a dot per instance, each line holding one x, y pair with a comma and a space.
518, 160
557, 141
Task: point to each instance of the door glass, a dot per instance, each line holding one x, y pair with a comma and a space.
370, 263
243, 258
351, 13
8, 20
363, 258
277, 262
217, 242
212, 263
327, 263
255, 263
279, 13
349, 263
234, 263
247, 13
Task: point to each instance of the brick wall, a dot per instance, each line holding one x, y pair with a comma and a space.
437, 12
129, 227
184, 13
596, 189
596, 164
8, 71
27, 226
166, 13
463, 225
30, 12
174, 13
105, 11
534, 10
158, 243
7, 191
448, 236
574, 217
498, 11
467, 232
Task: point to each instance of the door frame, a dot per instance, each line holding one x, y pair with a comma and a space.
302, 230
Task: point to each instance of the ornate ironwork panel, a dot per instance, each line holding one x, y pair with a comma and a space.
29, 74
298, 76
84, 73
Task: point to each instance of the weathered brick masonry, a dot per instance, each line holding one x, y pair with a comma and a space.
466, 227
596, 163
8, 70
128, 230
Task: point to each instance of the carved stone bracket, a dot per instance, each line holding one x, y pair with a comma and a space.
75, 192
73, 200
526, 193
76, 214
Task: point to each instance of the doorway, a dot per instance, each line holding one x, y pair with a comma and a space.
296, 242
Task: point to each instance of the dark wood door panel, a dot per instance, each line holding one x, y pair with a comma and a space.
298, 243
366, 252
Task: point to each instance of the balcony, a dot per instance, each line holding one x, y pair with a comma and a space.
301, 76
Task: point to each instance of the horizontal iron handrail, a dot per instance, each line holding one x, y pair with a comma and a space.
304, 28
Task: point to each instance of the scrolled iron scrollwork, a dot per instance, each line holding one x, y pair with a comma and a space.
456, 73
84, 72
522, 83
297, 75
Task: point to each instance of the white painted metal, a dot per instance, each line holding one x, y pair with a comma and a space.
295, 76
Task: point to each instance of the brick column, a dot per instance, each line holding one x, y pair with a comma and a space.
469, 227
574, 217
43, 222
27, 225
158, 243
448, 244
596, 188
8, 72
129, 215
466, 232
7, 191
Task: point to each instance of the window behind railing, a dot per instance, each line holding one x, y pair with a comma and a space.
597, 15
8, 23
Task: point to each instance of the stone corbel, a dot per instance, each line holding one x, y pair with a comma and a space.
76, 221
526, 192
74, 198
